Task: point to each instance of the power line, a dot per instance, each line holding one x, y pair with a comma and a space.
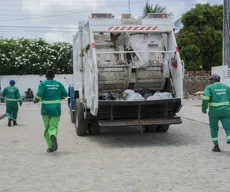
62, 14
35, 27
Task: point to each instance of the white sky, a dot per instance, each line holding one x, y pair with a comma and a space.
58, 15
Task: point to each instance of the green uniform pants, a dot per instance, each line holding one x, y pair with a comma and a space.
51, 128
225, 120
12, 111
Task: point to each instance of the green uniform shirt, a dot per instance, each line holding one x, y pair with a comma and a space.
51, 92
12, 95
217, 97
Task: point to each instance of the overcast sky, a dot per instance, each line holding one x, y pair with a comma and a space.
53, 19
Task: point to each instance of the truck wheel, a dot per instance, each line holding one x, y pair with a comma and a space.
72, 116
151, 128
163, 128
81, 124
94, 128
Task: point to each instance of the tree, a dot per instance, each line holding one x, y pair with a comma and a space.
23, 56
178, 24
160, 9
156, 9
200, 40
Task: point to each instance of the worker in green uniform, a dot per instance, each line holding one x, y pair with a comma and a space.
217, 97
12, 95
51, 92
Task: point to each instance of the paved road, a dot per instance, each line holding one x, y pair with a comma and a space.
119, 160
2, 109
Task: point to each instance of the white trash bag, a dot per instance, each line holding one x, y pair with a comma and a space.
130, 95
160, 96
139, 43
166, 67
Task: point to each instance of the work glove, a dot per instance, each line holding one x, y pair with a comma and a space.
20, 104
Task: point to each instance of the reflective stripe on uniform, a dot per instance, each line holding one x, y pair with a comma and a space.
37, 97
219, 104
51, 102
215, 139
11, 99
206, 98
228, 137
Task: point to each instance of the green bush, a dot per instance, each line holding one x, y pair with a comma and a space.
23, 56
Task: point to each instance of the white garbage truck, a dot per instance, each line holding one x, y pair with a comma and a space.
116, 57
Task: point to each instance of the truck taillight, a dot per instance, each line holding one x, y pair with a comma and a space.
157, 15
174, 63
102, 15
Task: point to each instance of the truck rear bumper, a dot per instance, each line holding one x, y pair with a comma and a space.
132, 122
139, 111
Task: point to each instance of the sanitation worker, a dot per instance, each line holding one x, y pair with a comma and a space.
12, 95
51, 92
217, 97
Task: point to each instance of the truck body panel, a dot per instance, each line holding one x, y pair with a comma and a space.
113, 55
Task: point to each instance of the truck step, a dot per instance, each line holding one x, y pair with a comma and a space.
133, 122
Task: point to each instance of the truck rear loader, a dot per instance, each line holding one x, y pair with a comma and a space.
112, 55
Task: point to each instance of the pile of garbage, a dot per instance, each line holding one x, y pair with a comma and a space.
131, 95
194, 96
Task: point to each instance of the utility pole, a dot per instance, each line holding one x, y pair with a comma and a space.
129, 6
226, 37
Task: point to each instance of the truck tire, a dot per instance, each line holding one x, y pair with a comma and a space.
72, 116
151, 128
81, 124
163, 128
94, 128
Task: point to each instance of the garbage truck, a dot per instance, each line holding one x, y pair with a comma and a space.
116, 57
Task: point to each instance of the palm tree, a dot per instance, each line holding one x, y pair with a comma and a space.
156, 9
160, 9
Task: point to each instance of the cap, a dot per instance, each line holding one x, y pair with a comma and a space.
12, 82
215, 77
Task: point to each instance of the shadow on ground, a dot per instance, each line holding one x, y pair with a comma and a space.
133, 137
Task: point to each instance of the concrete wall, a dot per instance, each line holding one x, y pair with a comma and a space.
23, 82
193, 81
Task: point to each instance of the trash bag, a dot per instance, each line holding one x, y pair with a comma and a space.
115, 95
138, 42
160, 96
110, 96
146, 93
166, 67
130, 95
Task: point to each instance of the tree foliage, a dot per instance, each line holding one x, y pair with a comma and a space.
33, 56
154, 9
200, 40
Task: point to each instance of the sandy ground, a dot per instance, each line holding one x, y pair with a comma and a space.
119, 160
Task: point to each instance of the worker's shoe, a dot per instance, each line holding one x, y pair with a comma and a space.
9, 122
216, 148
49, 150
15, 123
54, 143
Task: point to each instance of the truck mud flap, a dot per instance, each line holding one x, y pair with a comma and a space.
132, 122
